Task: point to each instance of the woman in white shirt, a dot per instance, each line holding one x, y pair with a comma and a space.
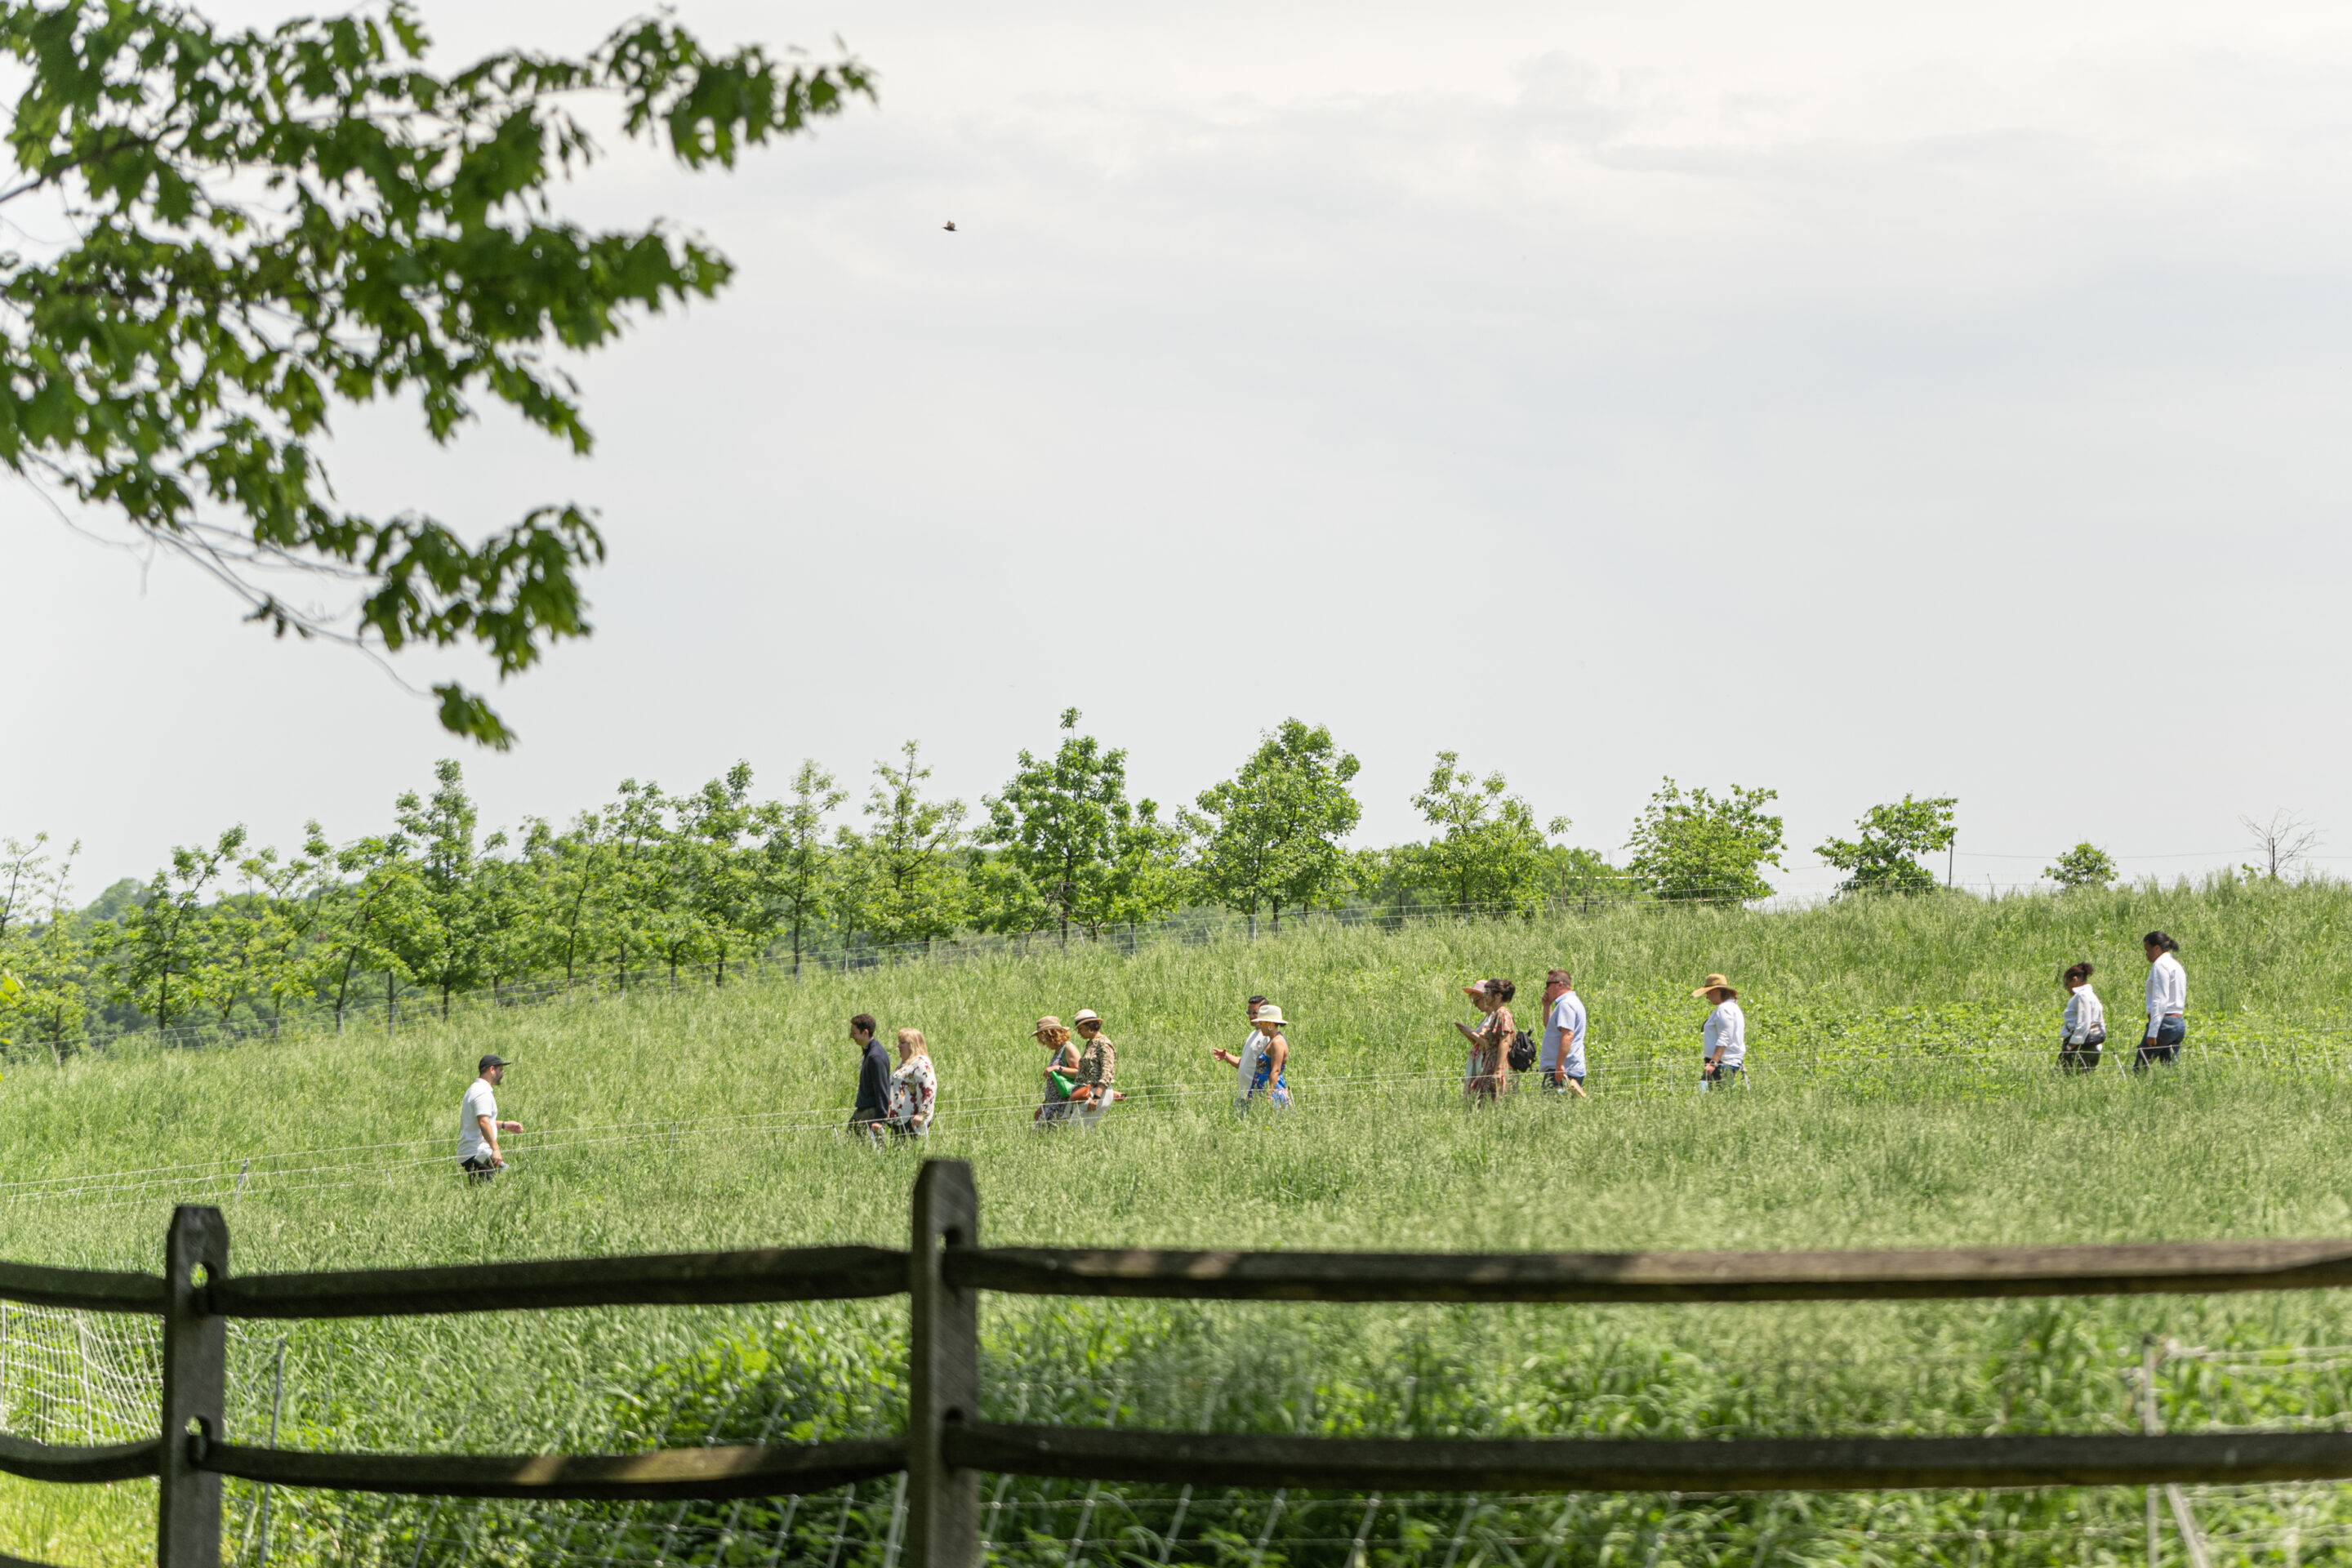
1723, 1036
2086, 1022
2168, 1003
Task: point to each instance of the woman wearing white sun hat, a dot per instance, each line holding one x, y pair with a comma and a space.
1269, 1074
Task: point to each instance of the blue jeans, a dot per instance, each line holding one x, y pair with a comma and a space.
2166, 1049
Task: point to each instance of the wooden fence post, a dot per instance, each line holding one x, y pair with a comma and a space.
943, 1372
195, 1387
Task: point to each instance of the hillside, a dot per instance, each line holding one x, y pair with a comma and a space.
1902, 1096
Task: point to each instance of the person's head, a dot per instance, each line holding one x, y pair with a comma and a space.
492, 1067
1050, 1034
1255, 1003
2077, 974
1717, 990
2158, 944
1556, 984
1088, 1024
1489, 994
861, 1027
1268, 1019
910, 1045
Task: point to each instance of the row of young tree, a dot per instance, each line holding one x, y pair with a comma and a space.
239, 937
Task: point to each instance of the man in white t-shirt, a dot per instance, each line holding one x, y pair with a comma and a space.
478, 1125
1563, 1037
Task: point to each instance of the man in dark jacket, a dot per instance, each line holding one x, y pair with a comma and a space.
872, 1078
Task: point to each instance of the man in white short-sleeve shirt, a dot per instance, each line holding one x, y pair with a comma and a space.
1563, 1037
478, 1125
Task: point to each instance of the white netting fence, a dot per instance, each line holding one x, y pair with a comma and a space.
75, 1377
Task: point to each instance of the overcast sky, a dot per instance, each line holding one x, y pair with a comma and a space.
1843, 398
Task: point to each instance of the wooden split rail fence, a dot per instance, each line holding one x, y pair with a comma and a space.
947, 1446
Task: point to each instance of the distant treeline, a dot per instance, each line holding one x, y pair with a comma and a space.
239, 938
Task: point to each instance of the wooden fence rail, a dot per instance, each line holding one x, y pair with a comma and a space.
947, 1445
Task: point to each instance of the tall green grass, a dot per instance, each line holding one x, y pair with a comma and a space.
1903, 1097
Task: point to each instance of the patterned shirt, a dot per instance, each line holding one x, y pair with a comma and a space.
913, 1089
1098, 1064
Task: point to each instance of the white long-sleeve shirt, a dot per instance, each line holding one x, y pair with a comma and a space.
1725, 1026
2167, 990
1251, 1048
2083, 1014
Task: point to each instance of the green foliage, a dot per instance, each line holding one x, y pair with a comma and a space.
1269, 836
722, 829
2084, 866
1883, 859
161, 951
44, 963
1902, 996
267, 223
445, 937
1073, 846
1933, 1119
901, 880
1491, 854
1693, 847
798, 869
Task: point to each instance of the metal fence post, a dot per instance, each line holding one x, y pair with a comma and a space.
195, 1388
943, 1372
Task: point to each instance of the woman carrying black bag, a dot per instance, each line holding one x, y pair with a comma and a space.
2079, 1048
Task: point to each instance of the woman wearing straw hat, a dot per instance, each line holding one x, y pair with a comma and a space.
1267, 1065
1723, 1034
1483, 1079
1061, 1069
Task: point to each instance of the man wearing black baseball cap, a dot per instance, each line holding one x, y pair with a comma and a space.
478, 1125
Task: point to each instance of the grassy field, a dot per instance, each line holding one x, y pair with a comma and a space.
1903, 1095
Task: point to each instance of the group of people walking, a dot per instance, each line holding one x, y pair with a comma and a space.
1082, 1066
1498, 1048
2083, 1044
899, 1100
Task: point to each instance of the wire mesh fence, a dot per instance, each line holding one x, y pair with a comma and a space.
69, 1376
376, 1006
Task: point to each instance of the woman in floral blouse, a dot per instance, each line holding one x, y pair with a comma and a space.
1485, 1078
913, 1087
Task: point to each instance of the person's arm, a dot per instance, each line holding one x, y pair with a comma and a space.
925, 1086
490, 1136
1225, 1055
1277, 1051
2155, 1001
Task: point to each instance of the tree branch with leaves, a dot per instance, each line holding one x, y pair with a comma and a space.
268, 223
